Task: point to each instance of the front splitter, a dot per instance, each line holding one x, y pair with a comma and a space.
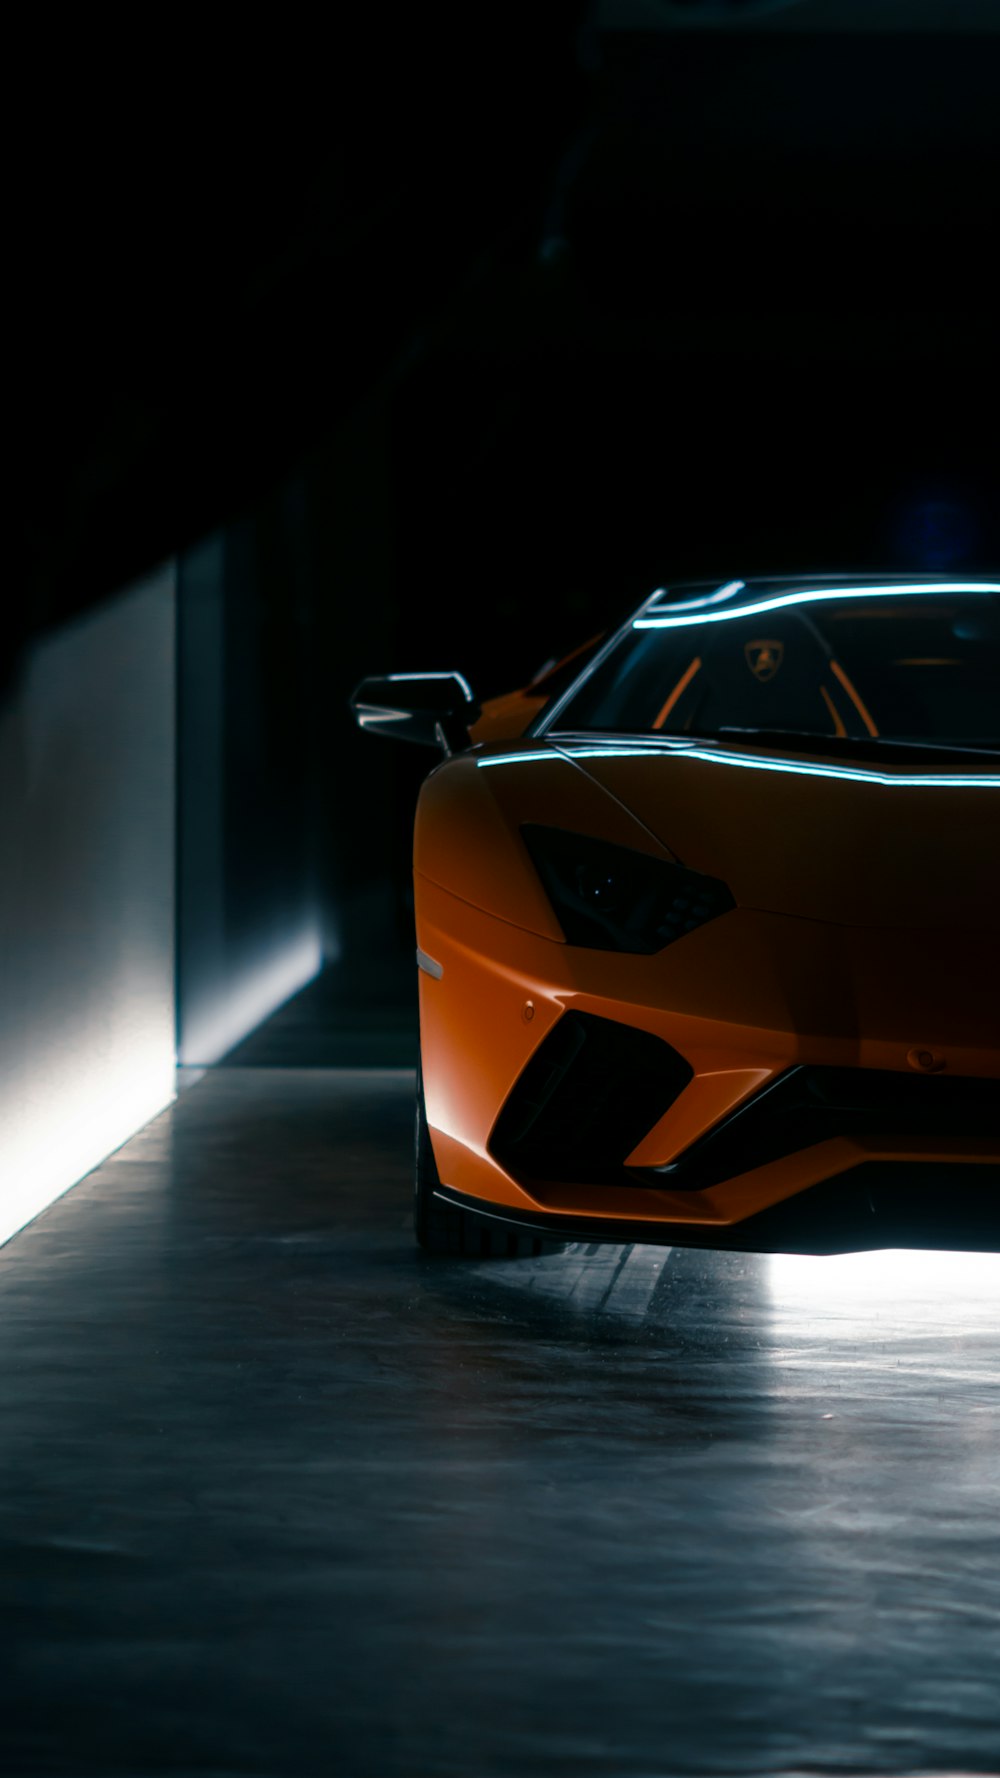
952, 1206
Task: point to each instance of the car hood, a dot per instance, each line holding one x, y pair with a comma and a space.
813, 836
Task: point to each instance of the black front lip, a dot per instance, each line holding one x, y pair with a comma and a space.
948, 1205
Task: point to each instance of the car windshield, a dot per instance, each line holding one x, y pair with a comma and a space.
918, 663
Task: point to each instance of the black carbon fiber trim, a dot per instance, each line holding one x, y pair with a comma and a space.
950, 1205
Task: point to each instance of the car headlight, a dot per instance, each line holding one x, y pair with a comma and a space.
610, 898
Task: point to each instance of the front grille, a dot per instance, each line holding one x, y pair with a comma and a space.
590, 1093
809, 1105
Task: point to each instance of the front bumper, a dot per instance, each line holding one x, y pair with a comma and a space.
743, 1001
873, 1205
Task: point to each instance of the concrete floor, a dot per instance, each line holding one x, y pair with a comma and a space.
283, 1497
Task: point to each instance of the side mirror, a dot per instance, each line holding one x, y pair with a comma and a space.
433, 709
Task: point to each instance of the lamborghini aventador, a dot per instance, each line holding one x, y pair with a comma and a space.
708, 927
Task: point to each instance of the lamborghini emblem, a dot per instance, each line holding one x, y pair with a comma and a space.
764, 658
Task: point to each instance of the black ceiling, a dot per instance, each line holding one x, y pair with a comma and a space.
218, 246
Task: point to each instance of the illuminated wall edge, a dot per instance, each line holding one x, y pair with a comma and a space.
249, 928
250, 998
86, 896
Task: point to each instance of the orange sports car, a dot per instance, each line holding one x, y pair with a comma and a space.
708, 927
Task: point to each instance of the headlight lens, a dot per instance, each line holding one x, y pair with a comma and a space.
610, 898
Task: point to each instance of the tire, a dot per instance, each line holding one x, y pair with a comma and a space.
443, 1228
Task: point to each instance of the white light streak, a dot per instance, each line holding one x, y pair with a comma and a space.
373, 715
882, 1281
813, 596
852, 774
87, 750
89, 1112
243, 1005
400, 678
756, 763
728, 591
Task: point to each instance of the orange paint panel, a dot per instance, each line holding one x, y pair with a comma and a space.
711, 1095
826, 849
468, 825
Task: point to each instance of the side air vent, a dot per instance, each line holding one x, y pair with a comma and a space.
590, 1093
806, 1105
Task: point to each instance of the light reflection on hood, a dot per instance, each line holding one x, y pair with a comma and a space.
719, 755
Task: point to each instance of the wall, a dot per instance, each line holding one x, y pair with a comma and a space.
248, 931
86, 894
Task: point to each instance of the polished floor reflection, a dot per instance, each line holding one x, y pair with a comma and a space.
283, 1497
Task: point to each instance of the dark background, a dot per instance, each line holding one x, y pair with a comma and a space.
463, 334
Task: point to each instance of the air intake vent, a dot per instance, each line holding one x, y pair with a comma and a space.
591, 1092
807, 1105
